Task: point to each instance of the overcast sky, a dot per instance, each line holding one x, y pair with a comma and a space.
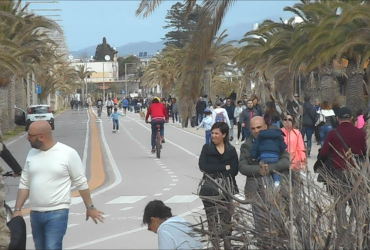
86, 22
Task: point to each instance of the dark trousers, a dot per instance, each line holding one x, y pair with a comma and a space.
240, 131
308, 131
317, 134
174, 117
218, 211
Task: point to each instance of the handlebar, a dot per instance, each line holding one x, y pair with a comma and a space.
8, 174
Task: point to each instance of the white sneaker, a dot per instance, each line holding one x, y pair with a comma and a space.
118, 131
237, 142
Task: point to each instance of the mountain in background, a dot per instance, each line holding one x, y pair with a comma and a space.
127, 49
235, 32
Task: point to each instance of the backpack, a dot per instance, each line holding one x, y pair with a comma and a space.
220, 117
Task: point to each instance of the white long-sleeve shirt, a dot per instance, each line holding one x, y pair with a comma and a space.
49, 176
207, 123
219, 110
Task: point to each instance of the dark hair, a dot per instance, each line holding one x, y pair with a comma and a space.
157, 209
249, 100
224, 128
271, 108
325, 105
359, 112
254, 97
335, 104
240, 101
307, 98
115, 109
293, 119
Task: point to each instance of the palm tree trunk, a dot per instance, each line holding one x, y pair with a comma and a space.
4, 230
328, 88
286, 86
355, 88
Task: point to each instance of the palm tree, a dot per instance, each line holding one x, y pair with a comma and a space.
83, 72
212, 15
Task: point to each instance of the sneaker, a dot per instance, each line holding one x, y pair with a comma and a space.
153, 150
237, 142
118, 131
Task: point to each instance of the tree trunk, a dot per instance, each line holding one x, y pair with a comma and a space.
286, 86
328, 88
355, 88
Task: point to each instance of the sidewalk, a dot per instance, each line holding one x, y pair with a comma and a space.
310, 160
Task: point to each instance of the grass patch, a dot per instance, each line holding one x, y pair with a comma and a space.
17, 131
61, 110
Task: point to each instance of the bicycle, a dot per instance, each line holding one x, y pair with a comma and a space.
8, 210
158, 140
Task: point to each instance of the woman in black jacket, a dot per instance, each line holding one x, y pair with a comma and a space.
220, 161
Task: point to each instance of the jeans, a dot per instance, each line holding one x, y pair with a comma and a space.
174, 117
268, 159
324, 130
308, 131
199, 119
115, 124
277, 124
154, 131
208, 137
49, 228
246, 132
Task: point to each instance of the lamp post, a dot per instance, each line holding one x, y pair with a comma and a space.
107, 58
126, 76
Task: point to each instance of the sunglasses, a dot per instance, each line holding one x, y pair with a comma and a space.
288, 120
296, 96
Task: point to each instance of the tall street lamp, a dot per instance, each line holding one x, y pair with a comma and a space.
126, 75
107, 58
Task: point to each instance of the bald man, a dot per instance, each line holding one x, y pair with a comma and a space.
254, 186
51, 169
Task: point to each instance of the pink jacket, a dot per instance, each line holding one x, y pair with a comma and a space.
295, 147
360, 121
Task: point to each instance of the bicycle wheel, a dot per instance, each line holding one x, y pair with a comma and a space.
9, 212
158, 145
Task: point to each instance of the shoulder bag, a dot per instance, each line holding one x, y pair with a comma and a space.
320, 120
208, 189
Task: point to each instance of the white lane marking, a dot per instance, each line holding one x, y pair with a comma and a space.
157, 194
173, 176
126, 208
126, 199
68, 226
170, 173
173, 184
167, 169
164, 167
166, 189
182, 199
175, 180
89, 243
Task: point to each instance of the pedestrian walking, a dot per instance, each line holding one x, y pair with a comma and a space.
237, 112
51, 169
308, 122
246, 117
219, 161
200, 107
173, 231
330, 120
207, 124
230, 109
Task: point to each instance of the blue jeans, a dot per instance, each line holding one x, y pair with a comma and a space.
308, 131
246, 133
199, 119
324, 130
154, 131
268, 159
49, 228
208, 137
115, 124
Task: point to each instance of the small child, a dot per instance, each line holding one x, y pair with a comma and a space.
267, 148
115, 115
207, 123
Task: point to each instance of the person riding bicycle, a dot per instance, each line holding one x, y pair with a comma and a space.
109, 104
159, 116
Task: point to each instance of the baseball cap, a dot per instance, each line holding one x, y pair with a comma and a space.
344, 113
207, 110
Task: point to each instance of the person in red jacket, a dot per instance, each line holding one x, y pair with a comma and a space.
159, 115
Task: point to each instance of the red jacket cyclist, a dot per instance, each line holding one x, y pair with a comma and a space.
159, 116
